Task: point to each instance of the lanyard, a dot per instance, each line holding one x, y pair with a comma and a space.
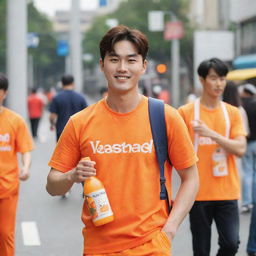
197, 116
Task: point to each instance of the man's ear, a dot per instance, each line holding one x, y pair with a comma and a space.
101, 64
5, 94
201, 79
145, 64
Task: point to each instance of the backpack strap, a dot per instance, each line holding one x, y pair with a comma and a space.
158, 129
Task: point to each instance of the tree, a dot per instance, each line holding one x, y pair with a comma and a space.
48, 67
134, 13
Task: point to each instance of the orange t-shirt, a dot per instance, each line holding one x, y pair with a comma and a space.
211, 187
14, 137
121, 145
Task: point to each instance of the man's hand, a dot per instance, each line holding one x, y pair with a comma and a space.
169, 230
24, 174
202, 129
83, 170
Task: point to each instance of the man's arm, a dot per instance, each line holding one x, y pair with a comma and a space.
53, 119
26, 162
59, 183
236, 146
184, 199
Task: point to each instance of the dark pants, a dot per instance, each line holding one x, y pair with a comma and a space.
34, 122
225, 214
251, 245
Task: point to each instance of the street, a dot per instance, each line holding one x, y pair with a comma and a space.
51, 226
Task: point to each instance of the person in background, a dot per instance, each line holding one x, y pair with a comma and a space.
249, 159
115, 133
35, 111
217, 130
14, 138
66, 103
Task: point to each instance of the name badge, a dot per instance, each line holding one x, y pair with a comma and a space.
219, 161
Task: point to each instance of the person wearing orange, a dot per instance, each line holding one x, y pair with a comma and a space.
35, 111
115, 133
216, 128
14, 138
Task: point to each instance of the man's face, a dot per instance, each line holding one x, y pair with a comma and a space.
123, 67
2, 96
213, 84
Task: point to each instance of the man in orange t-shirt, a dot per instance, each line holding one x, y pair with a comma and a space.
218, 134
35, 111
14, 138
115, 133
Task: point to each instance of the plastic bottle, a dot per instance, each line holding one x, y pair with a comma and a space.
97, 201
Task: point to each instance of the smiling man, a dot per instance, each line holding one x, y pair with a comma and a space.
115, 133
217, 131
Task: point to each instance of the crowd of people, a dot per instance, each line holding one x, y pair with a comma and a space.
112, 139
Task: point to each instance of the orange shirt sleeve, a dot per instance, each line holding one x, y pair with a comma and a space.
237, 127
67, 152
24, 142
181, 149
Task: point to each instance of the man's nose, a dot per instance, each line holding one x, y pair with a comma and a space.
122, 66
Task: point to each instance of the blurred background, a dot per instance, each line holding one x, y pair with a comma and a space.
63, 37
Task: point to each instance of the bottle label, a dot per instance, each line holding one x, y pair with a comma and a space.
98, 204
219, 159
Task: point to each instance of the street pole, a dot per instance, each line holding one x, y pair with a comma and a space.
17, 55
175, 69
175, 72
75, 44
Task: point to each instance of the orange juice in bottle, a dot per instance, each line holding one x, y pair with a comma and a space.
97, 201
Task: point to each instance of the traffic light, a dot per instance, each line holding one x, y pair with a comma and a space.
161, 68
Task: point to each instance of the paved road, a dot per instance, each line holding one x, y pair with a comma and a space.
51, 226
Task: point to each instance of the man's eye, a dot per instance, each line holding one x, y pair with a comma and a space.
113, 59
132, 60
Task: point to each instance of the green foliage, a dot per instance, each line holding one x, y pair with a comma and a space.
47, 65
134, 13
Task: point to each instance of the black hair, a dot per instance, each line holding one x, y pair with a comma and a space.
3, 82
214, 63
120, 33
67, 80
231, 94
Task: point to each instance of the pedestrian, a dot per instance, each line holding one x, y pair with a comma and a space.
218, 134
35, 111
66, 103
14, 138
115, 133
248, 160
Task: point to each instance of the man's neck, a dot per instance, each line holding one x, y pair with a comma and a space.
210, 102
123, 103
1, 109
68, 87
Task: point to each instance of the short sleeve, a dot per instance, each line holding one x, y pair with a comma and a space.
67, 151
181, 151
24, 141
